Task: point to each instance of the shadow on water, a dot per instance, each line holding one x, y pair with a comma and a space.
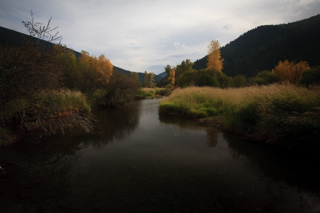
281, 168
281, 174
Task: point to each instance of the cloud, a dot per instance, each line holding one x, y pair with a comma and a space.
227, 27
179, 45
147, 35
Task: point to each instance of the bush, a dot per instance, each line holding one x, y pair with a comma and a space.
238, 81
97, 97
48, 110
164, 92
310, 77
121, 91
266, 77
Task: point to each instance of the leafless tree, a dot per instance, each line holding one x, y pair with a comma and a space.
44, 32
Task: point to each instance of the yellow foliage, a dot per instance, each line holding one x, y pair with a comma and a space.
105, 69
102, 67
290, 71
171, 77
215, 62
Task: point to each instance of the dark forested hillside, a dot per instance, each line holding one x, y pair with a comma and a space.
13, 39
263, 47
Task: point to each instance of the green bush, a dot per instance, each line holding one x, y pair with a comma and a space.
97, 97
266, 77
310, 77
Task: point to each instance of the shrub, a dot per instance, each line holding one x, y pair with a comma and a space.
97, 97
266, 77
310, 77
121, 91
48, 110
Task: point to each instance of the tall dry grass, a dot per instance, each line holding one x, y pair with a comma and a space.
276, 113
196, 95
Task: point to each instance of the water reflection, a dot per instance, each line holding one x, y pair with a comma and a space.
37, 171
115, 124
185, 125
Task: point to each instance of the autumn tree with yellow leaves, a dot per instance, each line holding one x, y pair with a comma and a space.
290, 71
171, 77
104, 69
215, 62
97, 71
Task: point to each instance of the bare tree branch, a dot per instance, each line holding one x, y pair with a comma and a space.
36, 29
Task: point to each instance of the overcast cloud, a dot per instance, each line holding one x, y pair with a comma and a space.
146, 35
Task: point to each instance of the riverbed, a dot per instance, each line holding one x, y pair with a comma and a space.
136, 161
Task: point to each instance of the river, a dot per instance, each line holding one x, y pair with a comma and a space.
138, 162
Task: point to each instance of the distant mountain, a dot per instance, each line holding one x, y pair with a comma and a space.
140, 74
263, 47
162, 75
13, 38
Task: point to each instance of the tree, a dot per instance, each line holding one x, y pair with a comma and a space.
185, 66
167, 70
152, 81
146, 79
215, 62
104, 69
290, 71
135, 77
67, 63
121, 91
171, 77
88, 68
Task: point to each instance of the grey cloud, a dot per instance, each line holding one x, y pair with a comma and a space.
140, 35
227, 27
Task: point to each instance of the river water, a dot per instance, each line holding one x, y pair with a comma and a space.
138, 162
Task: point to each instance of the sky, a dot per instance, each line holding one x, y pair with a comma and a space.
147, 35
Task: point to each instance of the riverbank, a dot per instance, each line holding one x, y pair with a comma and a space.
279, 114
55, 111
150, 93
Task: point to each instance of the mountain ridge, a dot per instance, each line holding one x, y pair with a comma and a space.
263, 47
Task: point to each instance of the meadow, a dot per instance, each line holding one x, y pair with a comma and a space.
280, 114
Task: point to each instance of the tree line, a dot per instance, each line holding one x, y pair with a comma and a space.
184, 74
